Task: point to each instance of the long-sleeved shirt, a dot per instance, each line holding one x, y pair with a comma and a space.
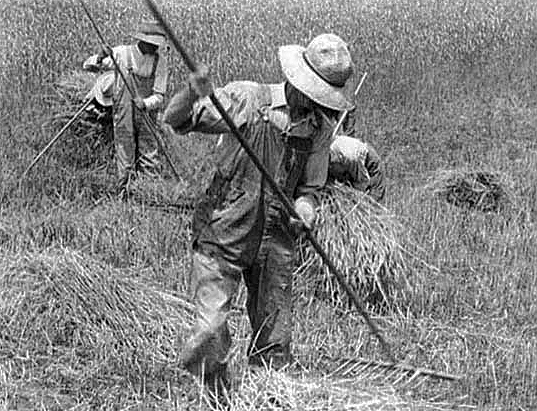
242, 101
239, 208
358, 163
129, 57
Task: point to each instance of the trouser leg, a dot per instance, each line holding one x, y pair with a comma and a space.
216, 284
147, 160
269, 283
125, 145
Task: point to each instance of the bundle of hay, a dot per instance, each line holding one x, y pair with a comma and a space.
65, 312
274, 390
472, 189
90, 140
363, 240
73, 86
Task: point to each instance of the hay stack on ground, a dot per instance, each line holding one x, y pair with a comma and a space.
70, 319
363, 239
276, 390
74, 85
90, 139
472, 189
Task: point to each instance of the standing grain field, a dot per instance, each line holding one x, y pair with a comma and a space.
451, 85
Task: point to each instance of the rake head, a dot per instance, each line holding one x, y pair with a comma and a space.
389, 373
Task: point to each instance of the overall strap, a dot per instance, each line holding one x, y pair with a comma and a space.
155, 64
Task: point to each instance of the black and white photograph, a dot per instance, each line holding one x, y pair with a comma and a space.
274, 205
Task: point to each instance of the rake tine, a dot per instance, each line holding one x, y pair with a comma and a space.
355, 369
402, 376
421, 381
405, 368
416, 374
390, 375
341, 368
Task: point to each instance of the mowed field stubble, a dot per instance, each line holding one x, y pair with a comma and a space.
451, 86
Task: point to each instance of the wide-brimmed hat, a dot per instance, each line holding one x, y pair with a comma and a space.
103, 89
321, 70
151, 32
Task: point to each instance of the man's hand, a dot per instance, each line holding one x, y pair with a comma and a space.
102, 54
201, 81
305, 208
139, 103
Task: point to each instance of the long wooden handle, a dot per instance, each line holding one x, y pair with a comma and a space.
346, 112
56, 137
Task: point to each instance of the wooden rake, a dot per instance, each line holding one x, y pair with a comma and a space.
386, 373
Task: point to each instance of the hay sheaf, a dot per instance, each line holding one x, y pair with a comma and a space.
74, 85
61, 307
479, 190
364, 240
277, 390
90, 139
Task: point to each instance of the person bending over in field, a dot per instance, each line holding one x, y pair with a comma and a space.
240, 228
356, 162
144, 64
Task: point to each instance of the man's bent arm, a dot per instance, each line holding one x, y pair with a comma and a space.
186, 112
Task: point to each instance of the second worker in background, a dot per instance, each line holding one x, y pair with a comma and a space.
144, 65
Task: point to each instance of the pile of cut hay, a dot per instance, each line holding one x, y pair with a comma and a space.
274, 390
71, 317
472, 189
73, 86
90, 139
364, 241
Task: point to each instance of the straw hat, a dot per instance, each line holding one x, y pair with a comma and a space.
151, 32
321, 70
103, 89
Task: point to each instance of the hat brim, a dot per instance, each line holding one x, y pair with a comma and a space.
103, 89
302, 77
157, 40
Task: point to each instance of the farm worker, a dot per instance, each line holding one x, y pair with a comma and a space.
240, 228
357, 162
145, 66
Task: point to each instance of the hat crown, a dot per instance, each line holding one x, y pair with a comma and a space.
151, 28
329, 57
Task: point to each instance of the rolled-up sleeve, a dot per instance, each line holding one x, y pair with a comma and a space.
105, 64
202, 114
154, 101
375, 168
161, 74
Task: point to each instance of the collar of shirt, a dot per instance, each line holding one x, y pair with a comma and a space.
139, 56
280, 109
277, 95
136, 51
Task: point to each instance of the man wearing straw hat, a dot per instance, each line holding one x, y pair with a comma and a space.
145, 66
240, 228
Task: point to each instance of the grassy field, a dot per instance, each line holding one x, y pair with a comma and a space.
451, 85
